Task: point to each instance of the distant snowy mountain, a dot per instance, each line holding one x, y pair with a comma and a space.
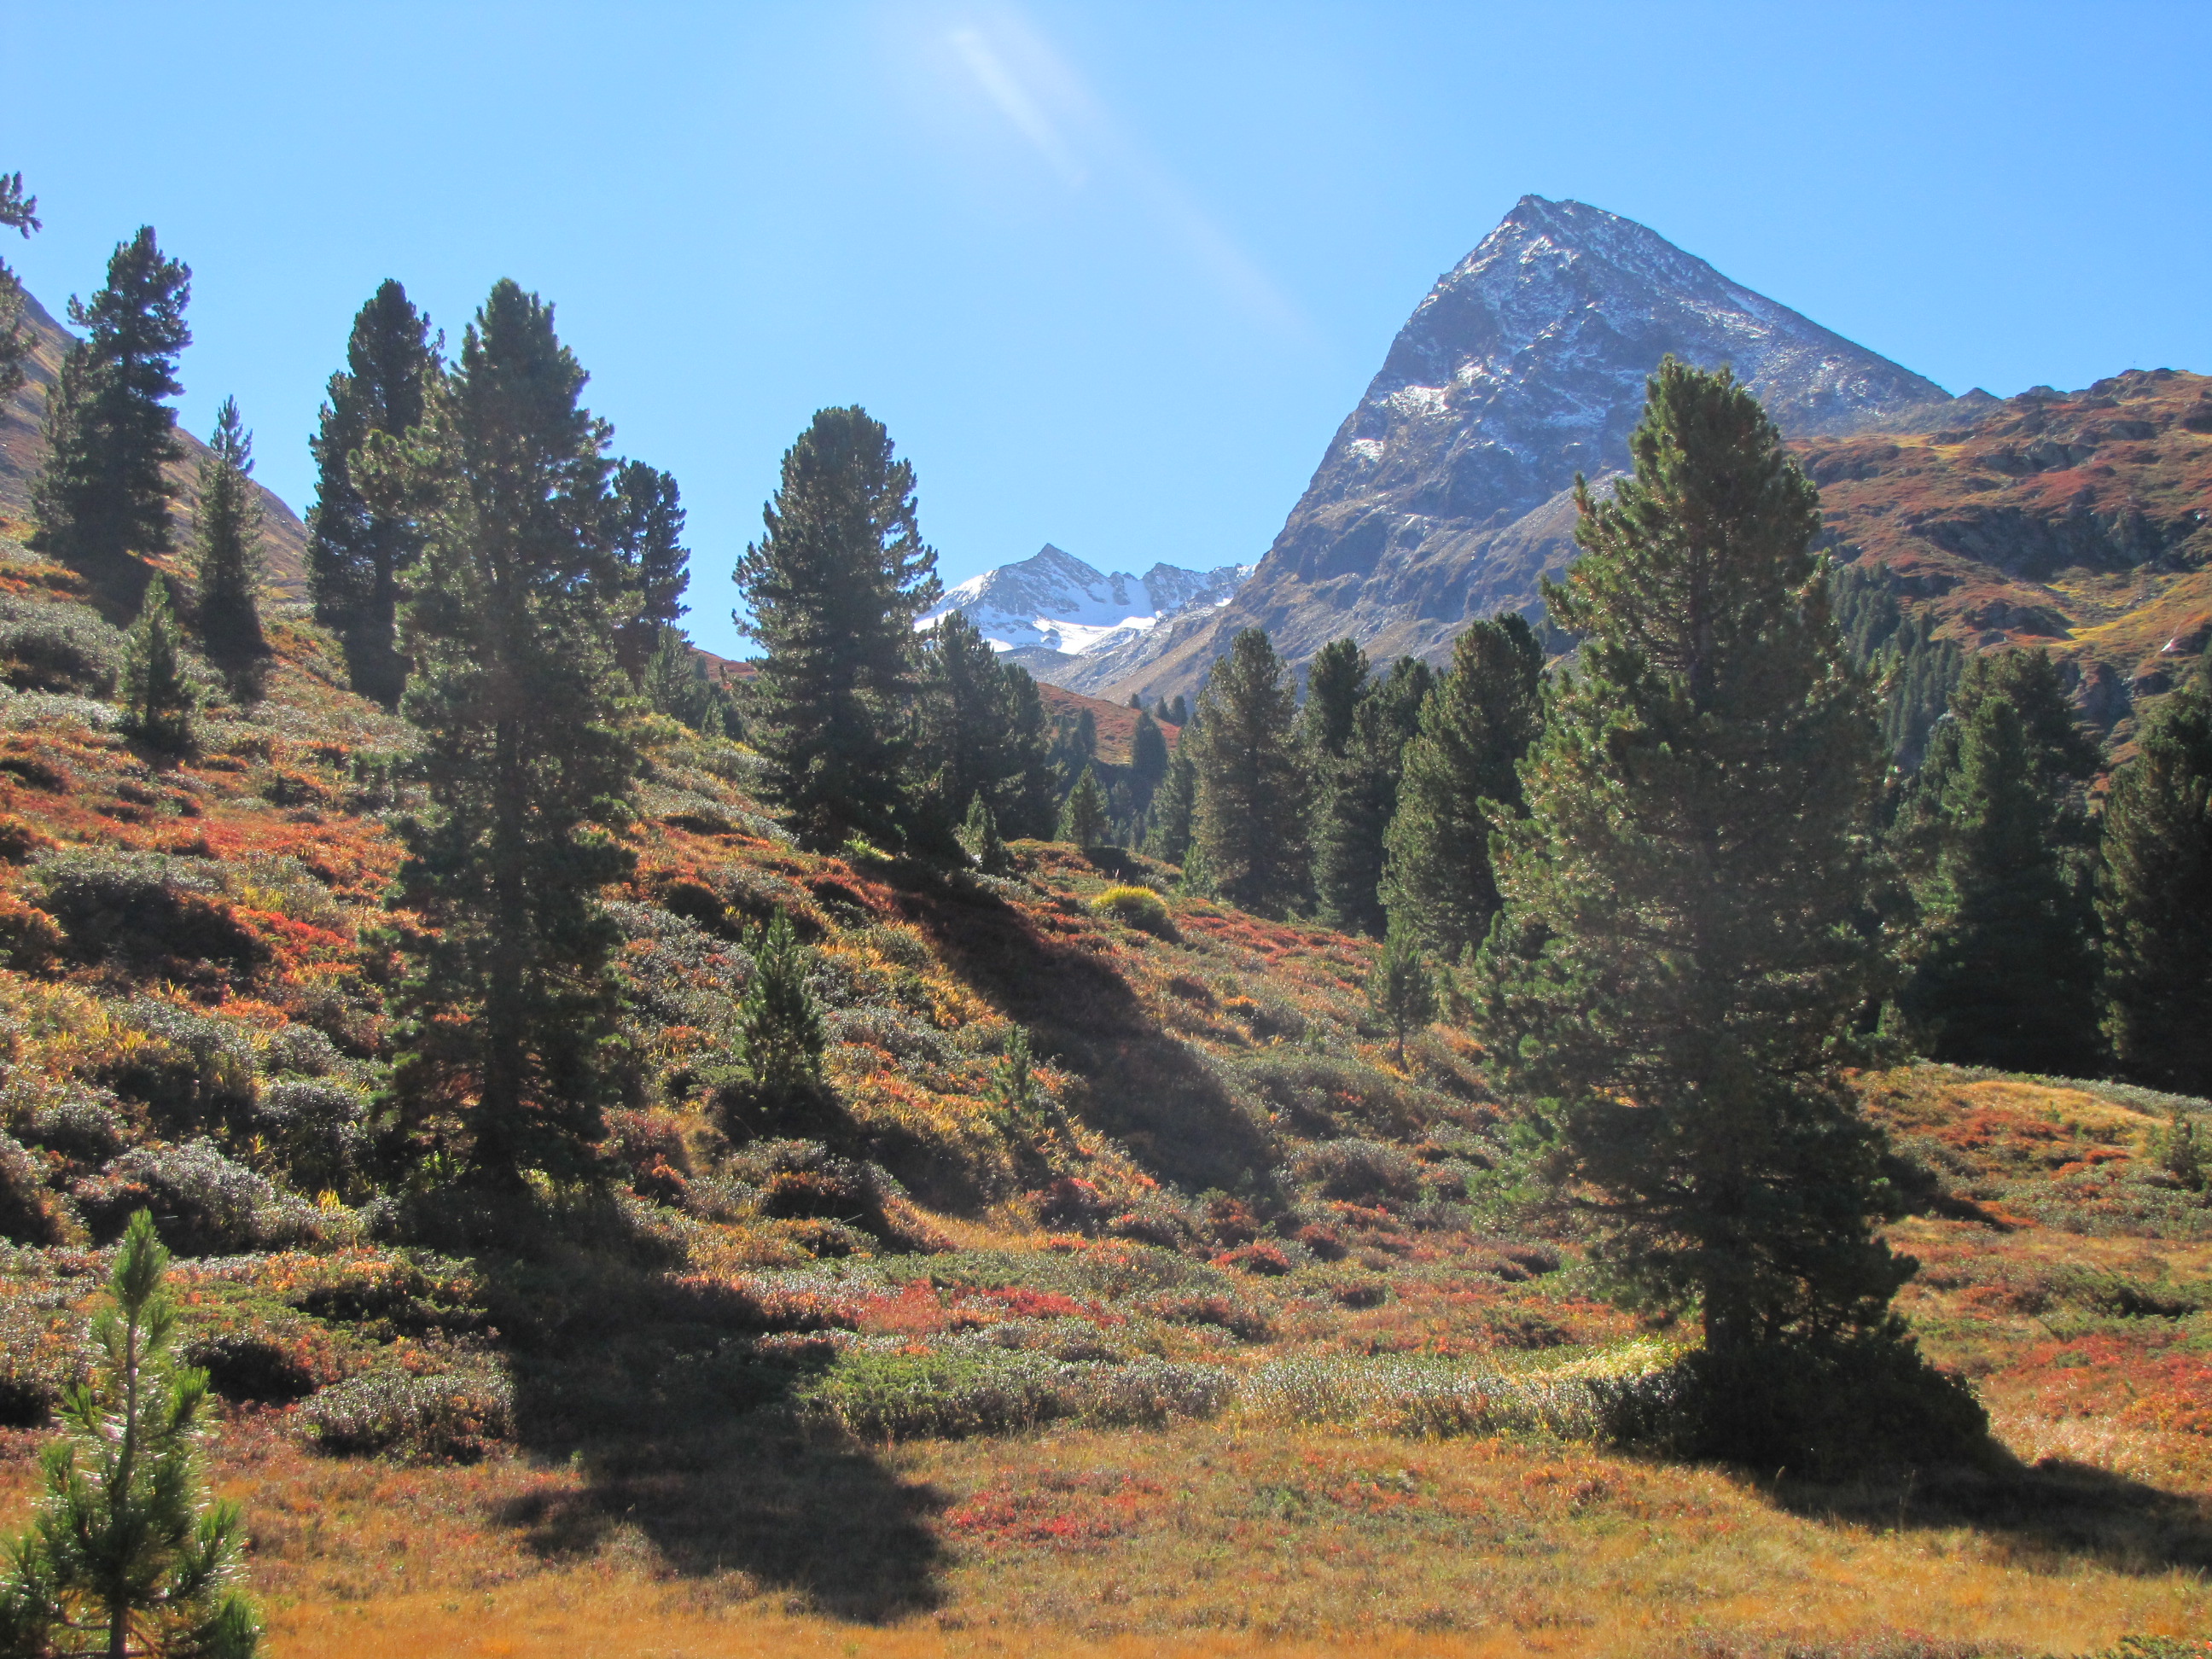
1052, 601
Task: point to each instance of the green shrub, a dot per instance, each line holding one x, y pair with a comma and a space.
1135, 907
144, 910
203, 1204
455, 1417
952, 1393
29, 1214
58, 647
197, 1072
1356, 1170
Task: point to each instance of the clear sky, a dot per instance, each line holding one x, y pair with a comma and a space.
1112, 273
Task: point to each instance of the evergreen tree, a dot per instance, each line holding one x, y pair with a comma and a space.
676, 684
511, 1003
358, 551
227, 553
970, 742
18, 212
129, 1553
2154, 895
980, 838
1250, 815
1359, 798
1681, 964
780, 1032
1175, 803
1083, 819
1335, 685
1033, 810
1401, 994
1179, 711
1997, 838
157, 699
833, 587
1148, 754
102, 496
1459, 778
649, 537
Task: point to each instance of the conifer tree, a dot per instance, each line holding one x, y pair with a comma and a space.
358, 551
833, 587
1250, 815
1179, 711
1401, 994
1148, 754
1033, 809
676, 684
649, 536
19, 213
129, 1553
1175, 803
1335, 683
780, 1032
1473, 731
1680, 965
968, 742
511, 1003
1997, 838
157, 699
1359, 798
1083, 819
980, 838
102, 496
227, 553
2154, 895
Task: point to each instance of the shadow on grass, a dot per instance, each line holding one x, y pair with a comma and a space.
2053, 1507
1139, 1083
663, 1395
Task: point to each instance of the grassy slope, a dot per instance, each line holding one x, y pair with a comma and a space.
1274, 1385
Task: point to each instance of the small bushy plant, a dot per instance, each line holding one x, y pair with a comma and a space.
58, 647
1135, 907
452, 1417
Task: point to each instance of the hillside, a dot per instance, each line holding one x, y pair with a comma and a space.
24, 452
1234, 1335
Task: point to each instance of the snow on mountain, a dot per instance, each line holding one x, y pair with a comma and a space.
1053, 600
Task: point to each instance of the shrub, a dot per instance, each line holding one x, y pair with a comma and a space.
19, 839
197, 1071
258, 1365
300, 1049
203, 1203
143, 909
1358, 1170
28, 1213
455, 1417
1135, 907
30, 939
316, 1126
79, 1125
58, 647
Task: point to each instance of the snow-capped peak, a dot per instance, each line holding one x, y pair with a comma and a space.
1053, 599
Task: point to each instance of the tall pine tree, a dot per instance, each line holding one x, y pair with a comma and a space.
19, 213
833, 587
1252, 801
1359, 796
1997, 839
649, 536
227, 554
510, 1001
1487, 711
358, 550
1681, 963
1336, 680
1148, 754
109, 429
968, 744
2154, 895
1175, 803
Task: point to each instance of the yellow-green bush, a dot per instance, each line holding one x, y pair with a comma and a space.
1137, 907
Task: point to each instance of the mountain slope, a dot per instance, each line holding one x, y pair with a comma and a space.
24, 452
1525, 366
1053, 605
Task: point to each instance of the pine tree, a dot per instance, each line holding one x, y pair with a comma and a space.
1401, 994
1487, 711
675, 684
1033, 810
1148, 754
969, 742
1680, 965
1083, 819
1335, 683
980, 838
649, 536
18, 212
2154, 895
1997, 838
227, 553
157, 699
129, 1553
1174, 804
1179, 711
780, 1032
833, 587
1250, 814
511, 1004
102, 496
357, 549
1359, 798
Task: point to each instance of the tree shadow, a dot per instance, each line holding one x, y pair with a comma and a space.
675, 1404
2054, 1507
1138, 1083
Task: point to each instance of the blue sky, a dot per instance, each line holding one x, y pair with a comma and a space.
1111, 273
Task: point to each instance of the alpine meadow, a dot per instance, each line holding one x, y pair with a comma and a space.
1607, 1050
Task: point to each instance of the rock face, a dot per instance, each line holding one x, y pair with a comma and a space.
1443, 495
1053, 605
